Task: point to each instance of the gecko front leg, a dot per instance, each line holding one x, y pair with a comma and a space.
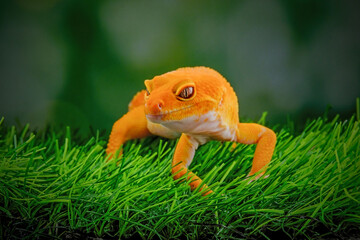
184, 154
130, 126
265, 138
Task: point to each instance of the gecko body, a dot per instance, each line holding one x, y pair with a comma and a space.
196, 104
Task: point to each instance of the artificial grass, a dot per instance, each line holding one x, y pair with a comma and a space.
56, 184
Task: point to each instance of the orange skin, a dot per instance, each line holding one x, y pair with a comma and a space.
199, 105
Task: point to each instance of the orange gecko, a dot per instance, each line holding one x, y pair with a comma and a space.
196, 104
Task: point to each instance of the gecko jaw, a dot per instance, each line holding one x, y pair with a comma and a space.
157, 118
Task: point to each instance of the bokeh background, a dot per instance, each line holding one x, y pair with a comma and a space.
80, 62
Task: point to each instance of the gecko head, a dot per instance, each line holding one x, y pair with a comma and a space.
182, 94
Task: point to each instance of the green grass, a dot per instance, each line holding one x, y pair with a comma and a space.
58, 184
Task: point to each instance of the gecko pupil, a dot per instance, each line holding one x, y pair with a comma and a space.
187, 92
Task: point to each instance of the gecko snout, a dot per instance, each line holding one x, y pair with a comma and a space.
155, 107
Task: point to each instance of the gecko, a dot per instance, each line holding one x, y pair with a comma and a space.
196, 104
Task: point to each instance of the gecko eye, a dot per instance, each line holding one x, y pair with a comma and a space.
186, 93
147, 93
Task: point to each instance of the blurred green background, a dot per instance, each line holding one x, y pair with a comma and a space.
80, 62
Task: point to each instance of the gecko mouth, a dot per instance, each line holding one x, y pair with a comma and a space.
157, 118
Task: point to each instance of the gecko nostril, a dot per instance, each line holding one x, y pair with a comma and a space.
157, 106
